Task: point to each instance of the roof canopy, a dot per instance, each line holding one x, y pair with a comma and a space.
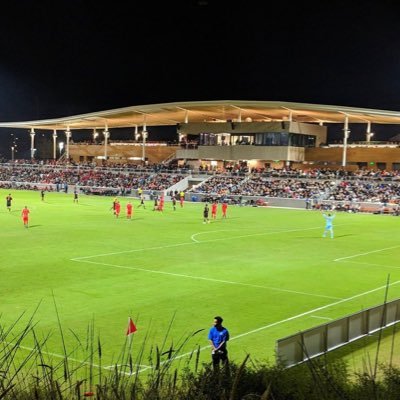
212, 111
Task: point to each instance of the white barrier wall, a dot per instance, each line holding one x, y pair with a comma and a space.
313, 342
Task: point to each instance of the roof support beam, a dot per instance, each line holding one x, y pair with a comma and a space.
32, 133
54, 144
106, 134
369, 133
68, 136
144, 137
346, 133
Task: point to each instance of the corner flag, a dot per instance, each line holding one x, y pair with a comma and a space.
131, 327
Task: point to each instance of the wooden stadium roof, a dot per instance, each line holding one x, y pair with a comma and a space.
212, 111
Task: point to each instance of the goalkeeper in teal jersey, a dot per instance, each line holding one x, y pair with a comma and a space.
328, 224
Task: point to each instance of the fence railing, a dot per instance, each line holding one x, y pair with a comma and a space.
304, 345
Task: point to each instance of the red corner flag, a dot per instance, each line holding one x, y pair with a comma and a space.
131, 327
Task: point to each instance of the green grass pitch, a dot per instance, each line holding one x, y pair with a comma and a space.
267, 272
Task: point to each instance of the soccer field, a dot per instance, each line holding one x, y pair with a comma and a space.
267, 272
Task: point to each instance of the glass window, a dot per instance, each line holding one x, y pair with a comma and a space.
381, 165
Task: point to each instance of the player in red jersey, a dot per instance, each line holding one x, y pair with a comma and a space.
224, 208
25, 216
129, 209
214, 210
161, 203
117, 208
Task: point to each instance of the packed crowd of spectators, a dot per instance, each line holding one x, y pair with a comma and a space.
357, 186
84, 176
326, 173
265, 187
316, 184
383, 192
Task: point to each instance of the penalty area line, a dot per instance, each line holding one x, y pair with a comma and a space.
370, 264
364, 254
315, 310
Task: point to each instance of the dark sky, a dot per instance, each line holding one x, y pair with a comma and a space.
60, 58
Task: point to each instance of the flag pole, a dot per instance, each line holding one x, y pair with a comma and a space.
130, 335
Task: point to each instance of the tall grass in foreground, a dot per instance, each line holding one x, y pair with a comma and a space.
33, 373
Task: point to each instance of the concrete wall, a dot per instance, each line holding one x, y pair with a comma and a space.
243, 152
121, 152
388, 155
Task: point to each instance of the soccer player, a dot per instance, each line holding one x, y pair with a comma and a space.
224, 208
113, 205
214, 210
75, 196
205, 214
42, 194
25, 216
328, 224
181, 198
129, 209
155, 207
8, 202
174, 203
142, 202
117, 209
161, 204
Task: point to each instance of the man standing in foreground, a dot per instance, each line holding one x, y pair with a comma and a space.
25, 216
218, 336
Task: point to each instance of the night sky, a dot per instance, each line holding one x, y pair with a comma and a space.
62, 58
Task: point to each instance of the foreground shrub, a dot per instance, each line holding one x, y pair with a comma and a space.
33, 373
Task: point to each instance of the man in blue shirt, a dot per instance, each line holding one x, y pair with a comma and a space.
328, 224
218, 336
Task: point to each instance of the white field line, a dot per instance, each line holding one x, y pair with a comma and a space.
54, 354
294, 317
319, 317
364, 254
193, 237
369, 264
142, 366
131, 251
121, 365
193, 242
205, 279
